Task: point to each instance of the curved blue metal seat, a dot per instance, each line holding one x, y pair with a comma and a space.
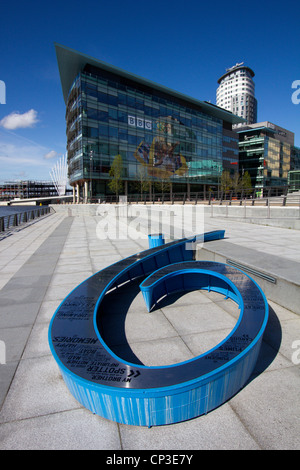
140, 395
187, 276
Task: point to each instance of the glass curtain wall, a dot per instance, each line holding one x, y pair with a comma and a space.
157, 136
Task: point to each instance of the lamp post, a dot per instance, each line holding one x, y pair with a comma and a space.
91, 165
219, 168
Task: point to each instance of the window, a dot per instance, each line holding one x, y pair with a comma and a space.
103, 148
112, 100
122, 99
103, 130
102, 97
113, 114
131, 101
92, 113
93, 132
113, 133
122, 116
122, 134
132, 139
102, 116
91, 91
113, 149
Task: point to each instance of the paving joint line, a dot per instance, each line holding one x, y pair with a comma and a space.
32, 323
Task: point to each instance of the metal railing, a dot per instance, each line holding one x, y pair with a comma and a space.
276, 196
16, 219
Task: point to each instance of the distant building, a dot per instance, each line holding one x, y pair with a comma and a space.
161, 134
268, 153
294, 174
294, 181
236, 92
26, 189
295, 159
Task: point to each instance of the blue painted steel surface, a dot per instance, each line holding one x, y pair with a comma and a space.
187, 276
147, 396
156, 239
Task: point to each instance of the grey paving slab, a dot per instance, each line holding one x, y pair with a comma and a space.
272, 263
267, 407
16, 338
61, 279
58, 292
7, 374
271, 250
158, 352
76, 429
26, 397
18, 314
199, 319
22, 295
220, 430
199, 343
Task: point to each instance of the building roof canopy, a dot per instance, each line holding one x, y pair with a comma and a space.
71, 63
234, 69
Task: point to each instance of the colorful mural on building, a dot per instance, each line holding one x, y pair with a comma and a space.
162, 158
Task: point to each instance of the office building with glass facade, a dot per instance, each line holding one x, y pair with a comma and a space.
268, 153
294, 181
161, 135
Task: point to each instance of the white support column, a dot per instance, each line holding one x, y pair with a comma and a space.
85, 195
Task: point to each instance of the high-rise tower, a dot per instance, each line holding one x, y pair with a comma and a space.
236, 92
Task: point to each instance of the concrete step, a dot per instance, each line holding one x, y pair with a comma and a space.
278, 277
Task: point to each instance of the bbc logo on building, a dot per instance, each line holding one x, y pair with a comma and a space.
139, 122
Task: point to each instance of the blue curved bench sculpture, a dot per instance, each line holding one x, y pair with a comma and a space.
188, 276
147, 396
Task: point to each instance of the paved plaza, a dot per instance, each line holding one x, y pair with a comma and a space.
42, 263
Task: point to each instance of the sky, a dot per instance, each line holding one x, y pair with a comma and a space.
185, 46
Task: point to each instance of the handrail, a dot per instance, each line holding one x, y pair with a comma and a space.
16, 219
275, 194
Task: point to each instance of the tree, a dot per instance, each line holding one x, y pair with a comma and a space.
116, 173
144, 181
246, 183
163, 185
226, 181
236, 183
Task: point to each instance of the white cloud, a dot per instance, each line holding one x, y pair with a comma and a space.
51, 154
15, 155
16, 120
20, 154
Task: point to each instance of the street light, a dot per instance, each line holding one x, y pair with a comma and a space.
91, 164
219, 169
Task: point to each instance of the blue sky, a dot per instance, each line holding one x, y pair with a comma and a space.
186, 46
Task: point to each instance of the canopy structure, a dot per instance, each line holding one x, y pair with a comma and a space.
71, 63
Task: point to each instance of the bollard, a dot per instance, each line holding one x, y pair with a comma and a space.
156, 239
